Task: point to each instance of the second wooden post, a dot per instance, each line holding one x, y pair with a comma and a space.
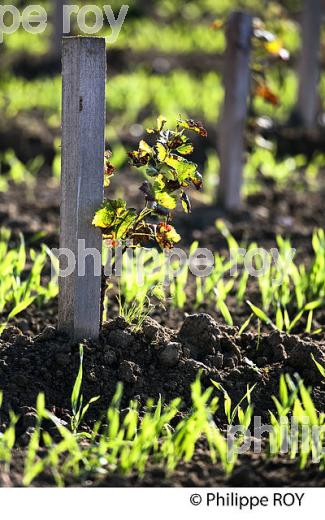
233, 120
309, 67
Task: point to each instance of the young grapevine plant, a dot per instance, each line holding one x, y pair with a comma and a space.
169, 176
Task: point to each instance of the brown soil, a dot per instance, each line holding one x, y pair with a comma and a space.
161, 361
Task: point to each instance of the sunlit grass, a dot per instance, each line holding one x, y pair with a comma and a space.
21, 278
127, 95
129, 442
177, 37
18, 94
288, 294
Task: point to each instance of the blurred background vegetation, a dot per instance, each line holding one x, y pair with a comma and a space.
167, 60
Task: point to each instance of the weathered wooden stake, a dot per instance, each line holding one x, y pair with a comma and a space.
309, 67
83, 146
233, 119
57, 29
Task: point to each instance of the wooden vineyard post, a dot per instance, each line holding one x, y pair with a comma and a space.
309, 67
233, 119
83, 146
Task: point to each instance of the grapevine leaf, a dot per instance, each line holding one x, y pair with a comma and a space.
266, 93
175, 140
109, 169
185, 149
161, 152
167, 236
166, 200
145, 148
186, 203
161, 121
194, 126
114, 218
183, 168
217, 24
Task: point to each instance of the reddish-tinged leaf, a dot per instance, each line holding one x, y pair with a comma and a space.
217, 24
197, 180
194, 126
139, 158
176, 140
166, 236
109, 169
266, 93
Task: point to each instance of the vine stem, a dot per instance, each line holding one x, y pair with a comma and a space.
104, 282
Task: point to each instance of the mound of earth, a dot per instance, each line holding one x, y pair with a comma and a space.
155, 361
158, 361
